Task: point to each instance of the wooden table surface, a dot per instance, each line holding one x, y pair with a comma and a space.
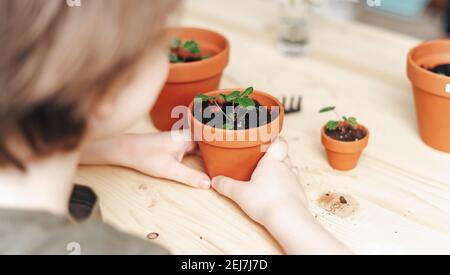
399, 194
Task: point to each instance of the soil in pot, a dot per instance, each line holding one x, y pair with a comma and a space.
218, 116
441, 69
346, 133
186, 51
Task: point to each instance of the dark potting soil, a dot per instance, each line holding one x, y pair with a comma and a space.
443, 69
188, 59
245, 119
346, 133
183, 56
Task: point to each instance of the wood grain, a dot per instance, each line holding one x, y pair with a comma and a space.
401, 185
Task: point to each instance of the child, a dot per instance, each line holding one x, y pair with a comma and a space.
71, 80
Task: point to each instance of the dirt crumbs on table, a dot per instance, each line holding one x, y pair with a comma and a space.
152, 236
143, 187
339, 205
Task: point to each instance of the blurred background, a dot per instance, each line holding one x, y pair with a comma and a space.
424, 19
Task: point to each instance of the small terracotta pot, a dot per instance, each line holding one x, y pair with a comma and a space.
186, 80
233, 157
431, 92
344, 156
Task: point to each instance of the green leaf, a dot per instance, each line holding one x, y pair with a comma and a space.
173, 58
228, 126
204, 97
246, 103
332, 125
192, 47
225, 97
176, 43
353, 122
206, 57
248, 91
327, 109
231, 97
234, 95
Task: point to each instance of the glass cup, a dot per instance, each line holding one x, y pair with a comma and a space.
293, 26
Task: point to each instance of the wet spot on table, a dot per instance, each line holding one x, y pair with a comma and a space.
340, 205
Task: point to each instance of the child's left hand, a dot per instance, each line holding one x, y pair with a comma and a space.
159, 155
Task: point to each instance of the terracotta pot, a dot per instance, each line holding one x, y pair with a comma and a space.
233, 157
431, 92
186, 80
344, 156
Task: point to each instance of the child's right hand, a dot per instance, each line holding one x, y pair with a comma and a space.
275, 199
273, 187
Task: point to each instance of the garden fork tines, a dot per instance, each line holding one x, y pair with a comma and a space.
292, 105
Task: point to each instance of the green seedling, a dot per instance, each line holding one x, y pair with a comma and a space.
237, 99
191, 46
176, 43
332, 125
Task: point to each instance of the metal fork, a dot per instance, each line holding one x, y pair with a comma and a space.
292, 105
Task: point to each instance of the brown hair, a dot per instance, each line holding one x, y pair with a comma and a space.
56, 61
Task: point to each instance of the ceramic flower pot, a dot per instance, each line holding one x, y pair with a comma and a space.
186, 80
236, 153
431, 92
344, 156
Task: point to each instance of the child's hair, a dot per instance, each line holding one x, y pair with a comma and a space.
57, 61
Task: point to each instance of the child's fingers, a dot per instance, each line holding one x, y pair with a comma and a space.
184, 174
183, 137
278, 151
192, 148
226, 186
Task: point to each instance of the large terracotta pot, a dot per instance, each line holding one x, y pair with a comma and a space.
186, 80
233, 157
344, 156
431, 92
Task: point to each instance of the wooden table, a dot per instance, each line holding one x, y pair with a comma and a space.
401, 187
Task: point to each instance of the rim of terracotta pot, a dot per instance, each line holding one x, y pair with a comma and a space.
344, 147
204, 69
421, 77
270, 128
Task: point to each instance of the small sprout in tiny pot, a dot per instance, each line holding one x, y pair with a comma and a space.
344, 128
185, 51
233, 111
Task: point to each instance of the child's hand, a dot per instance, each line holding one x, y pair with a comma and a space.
274, 185
157, 155
275, 199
